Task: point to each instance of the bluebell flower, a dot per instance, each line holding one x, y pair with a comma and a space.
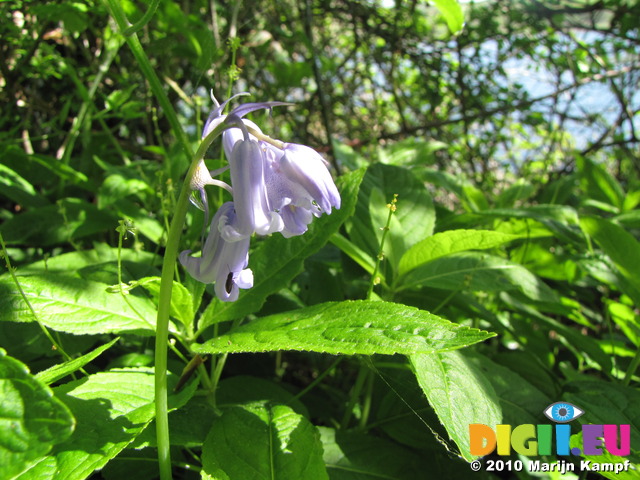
222, 262
276, 187
255, 215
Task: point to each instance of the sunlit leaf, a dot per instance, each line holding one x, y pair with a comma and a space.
283, 444
351, 327
459, 392
478, 271
452, 13
448, 242
111, 409
74, 305
412, 221
32, 419
618, 244
55, 373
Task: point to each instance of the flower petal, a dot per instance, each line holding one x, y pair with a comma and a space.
221, 262
249, 191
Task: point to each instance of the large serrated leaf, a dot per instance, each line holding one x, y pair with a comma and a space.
277, 260
69, 304
32, 420
448, 242
112, 409
459, 393
260, 441
350, 327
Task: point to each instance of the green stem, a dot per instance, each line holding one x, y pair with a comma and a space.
46, 332
215, 377
366, 402
144, 20
374, 277
164, 308
354, 396
173, 241
134, 44
317, 380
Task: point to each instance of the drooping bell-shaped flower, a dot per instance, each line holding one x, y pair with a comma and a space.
247, 163
276, 187
222, 262
299, 186
305, 168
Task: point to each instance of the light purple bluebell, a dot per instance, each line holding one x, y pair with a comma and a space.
276, 187
222, 262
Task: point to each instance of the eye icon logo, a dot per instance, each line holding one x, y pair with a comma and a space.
562, 412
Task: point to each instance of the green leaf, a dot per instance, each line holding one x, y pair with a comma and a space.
135, 263
60, 169
277, 260
477, 271
411, 151
451, 241
459, 392
354, 252
452, 13
618, 244
112, 409
32, 420
57, 372
69, 304
190, 424
626, 320
181, 299
351, 327
260, 440
599, 184
520, 190
71, 218
16, 188
356, 456
605, 461
520, 401
120, 185
607, 403
412, 221
559, 219
471, 197
584, 347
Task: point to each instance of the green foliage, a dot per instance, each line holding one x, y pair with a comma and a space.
484, 263
283, 443
111, 409
33, 419
459, 393
350, 327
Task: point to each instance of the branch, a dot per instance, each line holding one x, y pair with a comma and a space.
507, 108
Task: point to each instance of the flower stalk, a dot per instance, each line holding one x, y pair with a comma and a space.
164, 308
